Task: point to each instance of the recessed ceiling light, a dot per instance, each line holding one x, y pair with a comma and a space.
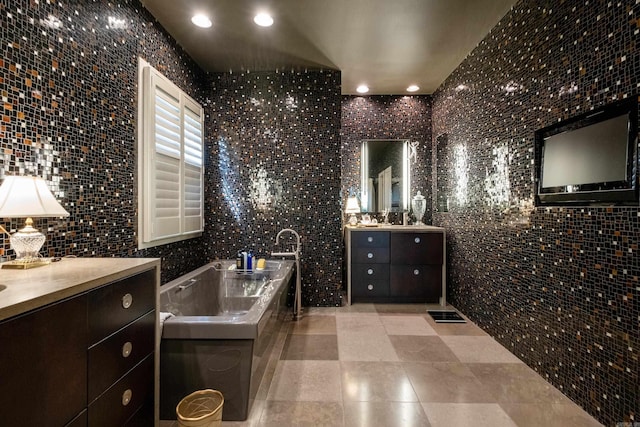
362, 89
263, 19
413, 88
201, 21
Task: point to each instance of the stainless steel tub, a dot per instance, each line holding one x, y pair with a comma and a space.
222, 332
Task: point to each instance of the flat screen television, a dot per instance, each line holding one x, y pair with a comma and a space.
589, 159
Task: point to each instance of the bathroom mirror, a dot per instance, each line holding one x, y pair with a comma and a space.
385, 175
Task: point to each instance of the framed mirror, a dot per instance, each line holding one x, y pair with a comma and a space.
384, 176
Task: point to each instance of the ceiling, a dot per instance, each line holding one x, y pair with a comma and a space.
385, 44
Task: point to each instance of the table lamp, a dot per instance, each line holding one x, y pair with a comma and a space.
353, 207
27, 196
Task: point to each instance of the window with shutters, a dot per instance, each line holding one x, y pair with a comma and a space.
170, 161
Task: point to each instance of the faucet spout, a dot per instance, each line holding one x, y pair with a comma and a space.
288, 230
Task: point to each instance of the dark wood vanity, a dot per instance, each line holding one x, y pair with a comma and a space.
78, 342
396, 264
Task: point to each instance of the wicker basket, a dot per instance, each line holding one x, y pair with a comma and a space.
202, 408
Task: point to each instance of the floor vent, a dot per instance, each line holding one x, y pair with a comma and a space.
446, 316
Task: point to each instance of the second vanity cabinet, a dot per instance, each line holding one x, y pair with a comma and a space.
395, 264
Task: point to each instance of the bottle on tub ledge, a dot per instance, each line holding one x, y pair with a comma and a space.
245, 262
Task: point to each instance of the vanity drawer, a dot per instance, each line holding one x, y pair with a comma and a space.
113, 357
419, 282
416, 248
367, 272
370, 280
370, 255
113, 306
370, 239
124, 398
363, 289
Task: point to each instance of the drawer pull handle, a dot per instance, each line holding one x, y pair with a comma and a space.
370, 287
370, 239
417, 240
370, 271
126, 397
369, 255
127, 300
126, 349
416, 272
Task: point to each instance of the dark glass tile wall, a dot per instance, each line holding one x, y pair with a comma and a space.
387, 117
275, 164
557, 286
68, 76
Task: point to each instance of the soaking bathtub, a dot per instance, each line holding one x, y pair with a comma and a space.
221, 334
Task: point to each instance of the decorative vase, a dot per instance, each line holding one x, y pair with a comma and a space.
419, 206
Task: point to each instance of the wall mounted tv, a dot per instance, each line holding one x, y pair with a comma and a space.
589, 159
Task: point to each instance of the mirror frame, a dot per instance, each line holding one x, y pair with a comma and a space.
364, 173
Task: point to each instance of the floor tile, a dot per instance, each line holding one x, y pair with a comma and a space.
446, 383
479, 349
363, 324
406, 325
310, 347
555, 415
421, 349
302, 414
319, 311
308, 380
516, 383
356, 308
384, 414
253, 420
314, 325
467, 414
401, 308
366, 347
376, 381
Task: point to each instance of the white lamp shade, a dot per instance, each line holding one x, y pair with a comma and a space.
352, 205
28, 196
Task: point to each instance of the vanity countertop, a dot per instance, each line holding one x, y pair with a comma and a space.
25, 290
393, 227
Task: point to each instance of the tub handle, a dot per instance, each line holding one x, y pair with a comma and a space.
126, 397
127, 300
185, 286
126, 349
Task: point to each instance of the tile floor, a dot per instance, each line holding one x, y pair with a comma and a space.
392, 365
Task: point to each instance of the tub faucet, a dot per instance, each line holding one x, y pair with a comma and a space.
296, 255
297, 251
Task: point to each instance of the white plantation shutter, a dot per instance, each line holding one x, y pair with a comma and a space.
193, 172
171, 163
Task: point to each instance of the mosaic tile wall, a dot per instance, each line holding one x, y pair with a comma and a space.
275, 164
557, 286
68, 77
387, 117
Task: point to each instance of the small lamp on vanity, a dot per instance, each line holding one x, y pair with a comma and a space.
353, 207
27, 196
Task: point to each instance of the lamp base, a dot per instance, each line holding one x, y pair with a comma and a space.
24, 264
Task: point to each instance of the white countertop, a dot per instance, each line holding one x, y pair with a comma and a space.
25, 290
392, 227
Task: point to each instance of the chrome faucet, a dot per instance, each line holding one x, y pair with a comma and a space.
296, 254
